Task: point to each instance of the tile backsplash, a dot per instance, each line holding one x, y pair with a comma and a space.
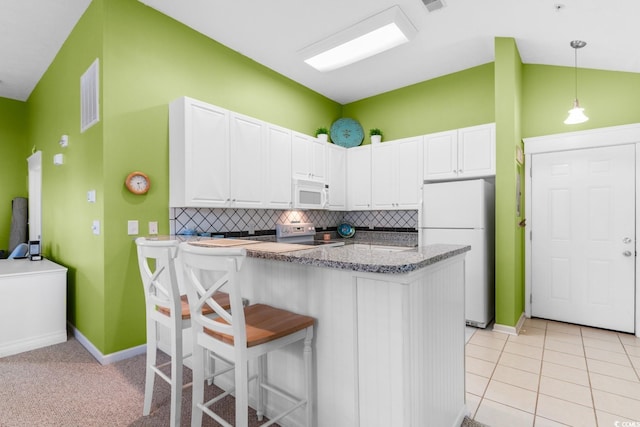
238, 220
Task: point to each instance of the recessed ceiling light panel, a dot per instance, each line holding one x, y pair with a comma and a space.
369, 37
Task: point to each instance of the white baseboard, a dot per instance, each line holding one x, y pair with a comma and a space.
109, 358
511, 330
32, 343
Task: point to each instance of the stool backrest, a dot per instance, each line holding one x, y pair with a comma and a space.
222, 264
156, 260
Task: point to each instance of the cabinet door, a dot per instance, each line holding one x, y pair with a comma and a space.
384, 175
301, 162
441, 155
307, 157
247, 160
278, 168
336, 176
199, 154
319, 159
477, 151
359, 178
409, 176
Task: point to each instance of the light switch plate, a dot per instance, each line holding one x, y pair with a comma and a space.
91, 196
153, 227
95, 226
132, 227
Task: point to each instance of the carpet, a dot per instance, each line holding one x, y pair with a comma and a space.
63, 385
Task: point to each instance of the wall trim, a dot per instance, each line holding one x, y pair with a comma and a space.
510, 330
109, 358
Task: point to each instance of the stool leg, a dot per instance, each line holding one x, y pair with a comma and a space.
197, 387
261, 365
176, 375
242, 390
308, 374
151, 361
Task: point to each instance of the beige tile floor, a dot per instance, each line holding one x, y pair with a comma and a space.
553, 374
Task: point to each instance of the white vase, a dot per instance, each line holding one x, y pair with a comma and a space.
323, 137
375, 139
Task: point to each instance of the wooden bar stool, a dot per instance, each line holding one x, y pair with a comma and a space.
243, 334
165, 306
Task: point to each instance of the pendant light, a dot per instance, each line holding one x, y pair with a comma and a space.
576, 114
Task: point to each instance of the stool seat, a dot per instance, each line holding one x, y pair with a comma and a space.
265, 323
221, 298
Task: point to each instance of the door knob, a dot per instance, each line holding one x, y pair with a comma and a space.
627, 240
626, 253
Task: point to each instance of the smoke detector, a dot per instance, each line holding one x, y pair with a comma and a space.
433, 5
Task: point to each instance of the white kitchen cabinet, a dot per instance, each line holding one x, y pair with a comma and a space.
247, 137
396, 174
337, 176
359, 178
198, 154
308, 157
459, 154
277, 189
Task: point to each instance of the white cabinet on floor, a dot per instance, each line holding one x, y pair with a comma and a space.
359, 178
396, 174
277, 189
308, 157
198, 154
463, 153
337, 176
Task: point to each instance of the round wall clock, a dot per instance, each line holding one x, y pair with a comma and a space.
347, 133
137, 182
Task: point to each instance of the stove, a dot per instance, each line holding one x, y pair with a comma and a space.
301, 233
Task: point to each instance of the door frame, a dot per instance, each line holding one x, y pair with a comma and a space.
601, 137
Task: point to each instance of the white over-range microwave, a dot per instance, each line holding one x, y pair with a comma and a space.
310, 194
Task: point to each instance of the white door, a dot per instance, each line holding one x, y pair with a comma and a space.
583, 240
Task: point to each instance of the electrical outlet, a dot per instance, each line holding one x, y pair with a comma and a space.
153, 227
132, 227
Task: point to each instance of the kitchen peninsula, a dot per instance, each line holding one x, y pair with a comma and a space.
389, 341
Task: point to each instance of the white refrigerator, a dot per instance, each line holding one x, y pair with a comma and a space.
462, 212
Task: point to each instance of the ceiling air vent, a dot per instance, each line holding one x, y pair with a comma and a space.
433, 4
89, 102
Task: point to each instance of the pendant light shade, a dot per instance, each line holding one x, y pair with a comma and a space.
576, 114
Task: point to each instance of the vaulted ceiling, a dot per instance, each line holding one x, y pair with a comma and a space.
460, 35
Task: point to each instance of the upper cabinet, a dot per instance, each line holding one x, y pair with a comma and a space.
396, 174
223, 159
459, 154
359, 178
277, 190
246, 159
198, 154
308, 157
337, 177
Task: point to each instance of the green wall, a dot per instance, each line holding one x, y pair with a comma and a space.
509, 256
147, 60
609, 98
54, 110
453, 101
13, 161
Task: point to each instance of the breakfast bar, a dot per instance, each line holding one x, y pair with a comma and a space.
389, 342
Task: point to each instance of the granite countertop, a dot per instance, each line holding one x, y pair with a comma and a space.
359, 257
